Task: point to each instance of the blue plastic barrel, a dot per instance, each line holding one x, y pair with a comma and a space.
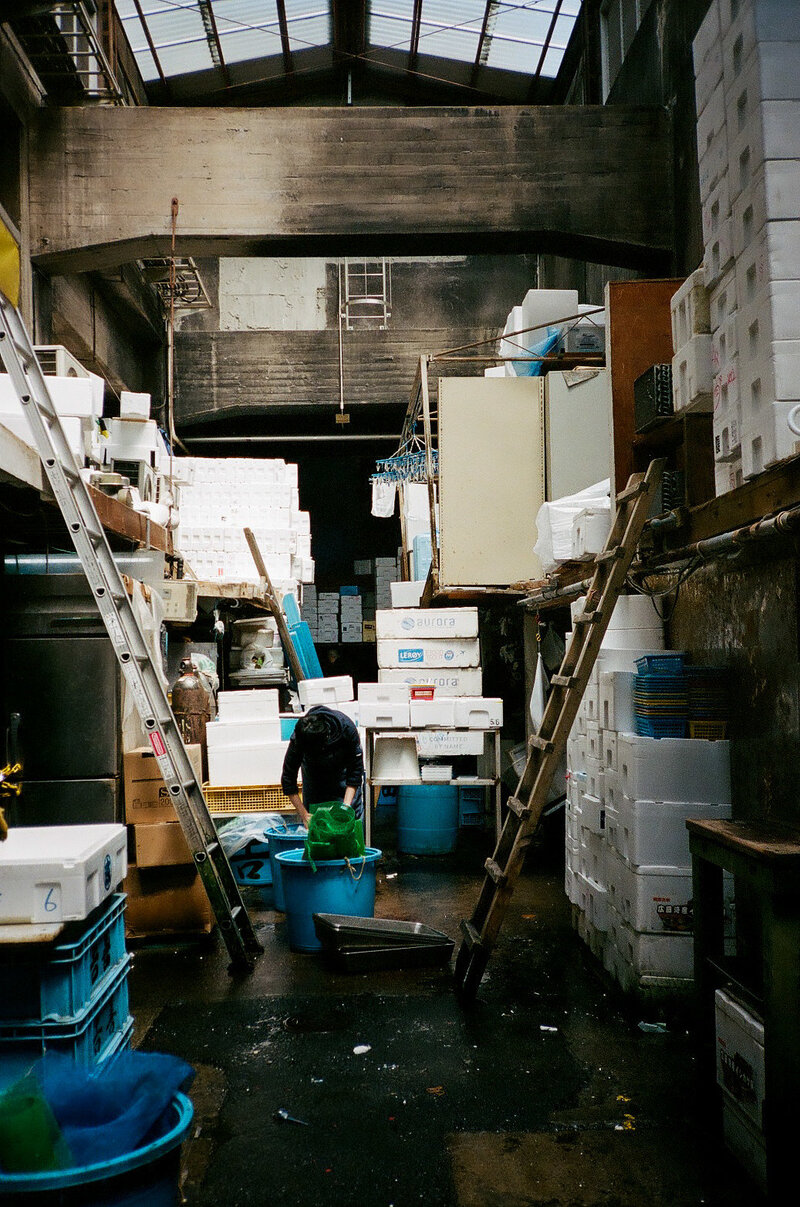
285, 839
427, 818
146, 1177
337, 886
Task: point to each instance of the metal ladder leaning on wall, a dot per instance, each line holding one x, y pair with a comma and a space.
547, 747
73, 498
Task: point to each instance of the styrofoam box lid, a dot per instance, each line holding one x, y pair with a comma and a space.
255, 705
738, 1015
61, 845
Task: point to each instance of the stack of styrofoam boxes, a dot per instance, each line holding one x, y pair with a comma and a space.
656, 785
351, 615
692, 376
385, 575
747, 74
740, 1074
78, 400
335, 691
220, 497
328, 616
69, 995
634, 630
309, 610
244, 744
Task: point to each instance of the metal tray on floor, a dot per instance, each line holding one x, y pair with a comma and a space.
340, 930
377, 959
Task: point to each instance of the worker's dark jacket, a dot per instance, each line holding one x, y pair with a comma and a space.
326, 772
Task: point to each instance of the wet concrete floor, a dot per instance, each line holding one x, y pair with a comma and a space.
545, 1093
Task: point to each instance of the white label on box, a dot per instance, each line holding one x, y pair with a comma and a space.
434, 742
429, 652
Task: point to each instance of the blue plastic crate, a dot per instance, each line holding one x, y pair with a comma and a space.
43, 981
251, 865
650, 728
306, 652
87, 1038
291, 609
660, 664
287, 727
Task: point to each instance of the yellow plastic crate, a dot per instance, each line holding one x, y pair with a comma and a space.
714, 730
256, 798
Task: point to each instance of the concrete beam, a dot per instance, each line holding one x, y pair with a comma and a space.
592, 182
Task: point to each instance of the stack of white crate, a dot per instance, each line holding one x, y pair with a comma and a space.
747, 85
627, 853
385, 574
328, 616
309, 610
220, 497
351, 616
245, 746
692, 378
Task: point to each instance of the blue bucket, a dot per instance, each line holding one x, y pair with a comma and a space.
286, 839
146, 1177
427, 819
338, 886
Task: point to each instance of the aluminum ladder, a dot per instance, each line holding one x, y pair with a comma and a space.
547, 747
74, 500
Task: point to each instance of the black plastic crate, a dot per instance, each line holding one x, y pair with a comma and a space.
652, 397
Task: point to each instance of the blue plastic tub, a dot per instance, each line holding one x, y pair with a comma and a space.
251, 867
338, 886
291, 836
146, 1177
44, 981
427, 819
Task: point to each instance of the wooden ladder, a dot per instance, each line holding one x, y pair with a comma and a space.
547, 747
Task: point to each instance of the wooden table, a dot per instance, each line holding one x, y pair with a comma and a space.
767, 860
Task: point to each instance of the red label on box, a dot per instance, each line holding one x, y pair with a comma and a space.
157, 742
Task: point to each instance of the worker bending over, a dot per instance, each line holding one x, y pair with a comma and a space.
326, 747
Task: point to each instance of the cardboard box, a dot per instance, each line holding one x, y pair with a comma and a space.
166, 901
146, 798
160, 845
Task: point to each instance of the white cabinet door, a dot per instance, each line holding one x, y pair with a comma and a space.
578, 427
491, 479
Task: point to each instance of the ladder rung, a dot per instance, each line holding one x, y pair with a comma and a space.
518, 808
589, 617
563, 680
70, 474
20, 349
610, 555
471, 935
495, 872
543, 744
632, 492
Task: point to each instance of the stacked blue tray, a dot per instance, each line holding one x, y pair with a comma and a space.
70, 996
661, 696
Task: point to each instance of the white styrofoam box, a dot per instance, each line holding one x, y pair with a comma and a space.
740, 1055
570, 881
242, 733
689, 309
652, 899
382, 714
593, 854
745, 1141
707, 75
624, 659
325, 691
351, 709
590, 529
749, 24
436, 743
376, 693
692, 376
590, 704
573, 748
439, 623
767, 437
59, 873
579, 724
707, 49
771, 132
612, 787
133, 439
593, 814
436, 773
727, 476
429, 652
654, 832
727, 421
573, 825
243, 766
542, 308
595, 777
439, 711
134, 406
609, 749
594, 745
657, 955
72, 426
633, 641
478, 712
463, 681
407, 594
598, 907
674, 769
713, 164
616, 701
716, 210
75, 396
724, 345
580, 750
612, 832
258, 705
773, 316
710, 121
